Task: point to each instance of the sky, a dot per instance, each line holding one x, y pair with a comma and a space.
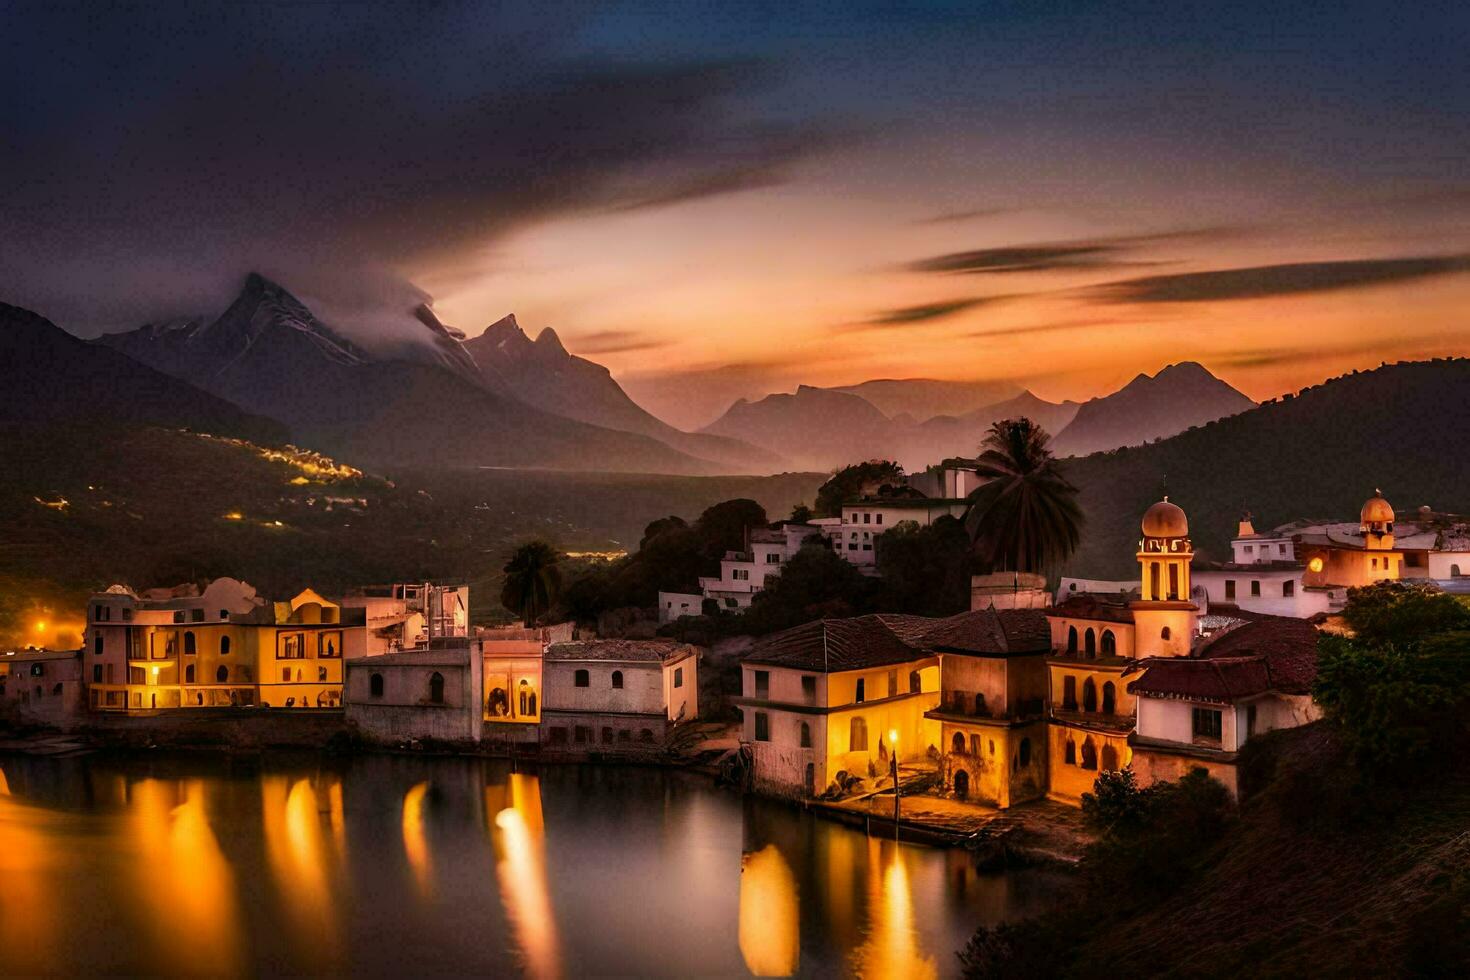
723, 200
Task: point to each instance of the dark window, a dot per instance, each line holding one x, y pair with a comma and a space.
321, 674
763, 683
188, 673
127, 614
678, 676
1173, 582
97, 644
857, 736
38, 670
1025, 752
557, 736
222, 676
1255, 587
1110, 698
1230, 588
191, 645
196, 615
1069, 693
179, 616
957, 744
1069, 754
893, 683
581, 679
617, 679
645, 735
1207, 723
224, 646
1109, 644
224, 614
1089, 695
1089, 642
1071, 639
806, 735
96, 673
1089, 755
1288, 588
809, 690
1109, 758
861, 691
915, 683
762, 727
375, 688
1250, 720
582, 734
436, 688
624, 735
607, 735
1164, 633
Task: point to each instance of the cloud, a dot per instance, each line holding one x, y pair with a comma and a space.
350, 142
1279, 280
954, 217
615, 342
1059, 325
1085, 254
928, 312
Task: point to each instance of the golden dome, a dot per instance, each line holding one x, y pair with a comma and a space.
1376, 510
1165, 520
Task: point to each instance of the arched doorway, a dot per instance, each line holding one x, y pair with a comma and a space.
961, 784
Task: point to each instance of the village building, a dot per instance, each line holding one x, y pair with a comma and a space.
431, 692
220, 646
512, 660
42, 687
832, 698
406, 615
616, 696
1198, 711
992, 710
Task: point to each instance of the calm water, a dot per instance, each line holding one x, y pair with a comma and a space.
392, 865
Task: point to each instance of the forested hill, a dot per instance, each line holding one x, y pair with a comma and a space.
1403, 427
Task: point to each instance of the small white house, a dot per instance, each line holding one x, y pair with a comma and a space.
618, 696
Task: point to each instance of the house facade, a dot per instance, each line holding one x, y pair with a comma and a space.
432, 692
42, 687
616, 696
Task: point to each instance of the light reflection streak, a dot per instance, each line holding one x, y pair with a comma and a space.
301, 862
891, 948
27, 888
415, 840
770, 914
520, 867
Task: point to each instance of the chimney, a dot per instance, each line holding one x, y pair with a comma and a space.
1246, 528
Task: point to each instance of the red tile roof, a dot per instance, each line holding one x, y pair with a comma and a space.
1272, 653
1088, 605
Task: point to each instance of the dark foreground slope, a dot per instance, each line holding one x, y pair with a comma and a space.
1402, 428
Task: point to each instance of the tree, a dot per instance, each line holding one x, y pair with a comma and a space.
532, 581
925, 570
1025, 518
814, 584
1401, 612
801, 514
722, 527
854, 481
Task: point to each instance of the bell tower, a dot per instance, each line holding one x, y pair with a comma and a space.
1164, 618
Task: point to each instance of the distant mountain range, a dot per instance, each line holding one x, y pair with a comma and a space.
925, 398
823, 428
449, 403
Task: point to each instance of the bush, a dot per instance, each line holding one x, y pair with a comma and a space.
1401, 612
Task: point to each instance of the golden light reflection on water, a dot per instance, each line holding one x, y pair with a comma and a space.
520, 866
415, 840
770, 914
27, 898
891, 948
301, 862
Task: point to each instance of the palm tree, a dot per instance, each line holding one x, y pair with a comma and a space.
532, 581
1025, 517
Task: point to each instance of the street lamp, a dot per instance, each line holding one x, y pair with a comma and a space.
893, 760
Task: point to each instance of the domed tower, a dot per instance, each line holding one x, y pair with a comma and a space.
1164, 618
1377, 523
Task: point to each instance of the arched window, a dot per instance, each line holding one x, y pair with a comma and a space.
224, 646
980, 708
436, 688
523, 692
1070, 752
375, 686
1090, 643
862, 688
1024, 753
1164, 633
1110, 698
191, 645
857, 736
1109, 644
1109, 758
1454, 571
957, 744
1089, 754
1089, 695
222, 675
188, 673
581, 679
617, 680
916, 684
1069, 692
1071, 639
806, 735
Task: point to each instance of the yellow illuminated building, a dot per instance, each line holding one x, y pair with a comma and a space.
222, 646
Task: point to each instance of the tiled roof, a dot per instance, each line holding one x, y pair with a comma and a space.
646, 651
832, 645
1272, 653
991, 631
1088, 605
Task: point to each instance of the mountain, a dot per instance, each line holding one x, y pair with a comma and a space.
47, 376
946, 436
816, 427
270, 354
1148, 408
923, 398
1319, 453
544, 374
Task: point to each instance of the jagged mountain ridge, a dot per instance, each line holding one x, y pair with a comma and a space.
268, 353
543, 373
926, 398
1150, 407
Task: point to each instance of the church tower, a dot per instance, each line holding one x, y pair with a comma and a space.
1164, 618
1377, 523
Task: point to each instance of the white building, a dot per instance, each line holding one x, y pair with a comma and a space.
433, 692
616, 696
854, 536
406, 615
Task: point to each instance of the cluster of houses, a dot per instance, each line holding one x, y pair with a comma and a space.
1029, 694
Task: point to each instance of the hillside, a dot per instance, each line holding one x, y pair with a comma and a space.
815, 427
924, 398
1317, 454
47, 375
543, 374
84, 506
1149, 408
271, 355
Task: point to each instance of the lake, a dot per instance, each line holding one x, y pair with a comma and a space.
403, 865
